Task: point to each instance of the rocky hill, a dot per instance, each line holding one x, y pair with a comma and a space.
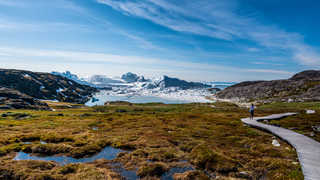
44, 86
13, 99
304, 86
169, 82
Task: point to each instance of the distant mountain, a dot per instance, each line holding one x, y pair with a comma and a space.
45, 86
304, 86
168, 82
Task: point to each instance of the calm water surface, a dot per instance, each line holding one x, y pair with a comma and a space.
103, 97
108, 153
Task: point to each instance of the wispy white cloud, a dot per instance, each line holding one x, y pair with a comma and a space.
12, 25
270, 71
217, 19
106, 25
252, 49
267, 63
149, 65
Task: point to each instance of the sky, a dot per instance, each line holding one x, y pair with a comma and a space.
203, 40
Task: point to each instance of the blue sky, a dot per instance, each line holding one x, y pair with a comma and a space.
224, 40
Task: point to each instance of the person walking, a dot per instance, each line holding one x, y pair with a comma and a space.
251, 111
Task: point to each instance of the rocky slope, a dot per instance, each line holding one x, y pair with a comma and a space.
12, 99
44, 86
168, 82
304, 86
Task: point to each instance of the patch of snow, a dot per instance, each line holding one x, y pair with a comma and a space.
310, 111
59, 90
275, 143
312, 134
316, 128
42, 87
26, 76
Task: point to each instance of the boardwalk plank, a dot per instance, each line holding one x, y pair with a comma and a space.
308, 150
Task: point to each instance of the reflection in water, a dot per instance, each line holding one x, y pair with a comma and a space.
108, 153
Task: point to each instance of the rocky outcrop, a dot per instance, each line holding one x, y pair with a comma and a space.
304, 86
12, 99
45, 86
168, 82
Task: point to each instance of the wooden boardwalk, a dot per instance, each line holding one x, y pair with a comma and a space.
308, 150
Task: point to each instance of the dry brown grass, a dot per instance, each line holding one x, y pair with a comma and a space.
212, 139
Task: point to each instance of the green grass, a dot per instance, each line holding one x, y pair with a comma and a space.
158, 136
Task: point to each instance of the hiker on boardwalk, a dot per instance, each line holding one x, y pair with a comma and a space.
251, 111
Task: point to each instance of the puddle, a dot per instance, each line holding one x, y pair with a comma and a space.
28, 142
108, 153
169, 175
95, 128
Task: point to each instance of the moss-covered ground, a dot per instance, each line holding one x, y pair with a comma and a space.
302, 123
210, 137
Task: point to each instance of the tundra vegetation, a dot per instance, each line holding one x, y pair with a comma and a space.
303, 123
209, 137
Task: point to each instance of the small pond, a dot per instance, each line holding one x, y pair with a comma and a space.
108, 153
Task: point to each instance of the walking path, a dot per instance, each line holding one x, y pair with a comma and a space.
308, 150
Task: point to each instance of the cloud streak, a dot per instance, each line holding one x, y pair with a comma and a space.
161, 65
220, 20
